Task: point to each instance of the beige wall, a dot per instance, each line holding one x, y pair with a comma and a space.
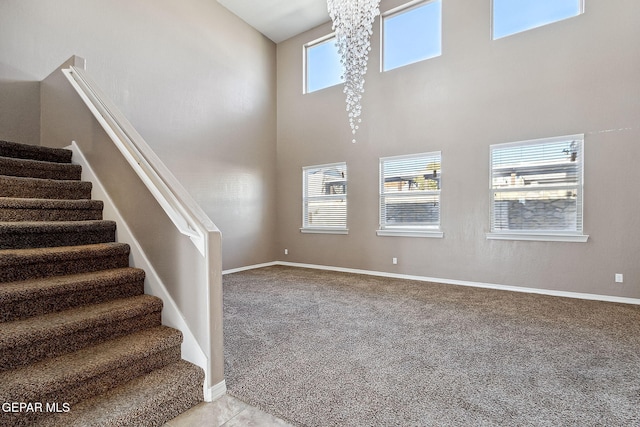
200, 86
575, 76
19, 87
195, 81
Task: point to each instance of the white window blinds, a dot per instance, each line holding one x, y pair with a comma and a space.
410, 192
536, 186
325, 197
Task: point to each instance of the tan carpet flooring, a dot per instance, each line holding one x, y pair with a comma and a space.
321, 348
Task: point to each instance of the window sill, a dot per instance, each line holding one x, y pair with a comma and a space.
540, 237
411, 233
325, 230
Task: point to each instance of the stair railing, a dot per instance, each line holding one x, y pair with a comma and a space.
187, 216
158, 179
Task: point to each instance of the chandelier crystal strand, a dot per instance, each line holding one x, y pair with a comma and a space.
353, 25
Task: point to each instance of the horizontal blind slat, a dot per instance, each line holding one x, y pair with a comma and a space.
325, 196
410, 191
537, 185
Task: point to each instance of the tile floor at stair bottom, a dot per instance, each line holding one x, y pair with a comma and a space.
226, 411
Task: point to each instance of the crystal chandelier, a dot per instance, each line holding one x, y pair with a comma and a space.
353, 23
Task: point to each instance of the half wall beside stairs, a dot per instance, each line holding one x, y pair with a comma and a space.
189, 282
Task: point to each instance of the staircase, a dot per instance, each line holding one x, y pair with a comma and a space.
80, 342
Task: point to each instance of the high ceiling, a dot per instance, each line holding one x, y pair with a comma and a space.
280, 19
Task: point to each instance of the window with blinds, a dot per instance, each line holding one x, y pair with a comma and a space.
410, 194
536, 186
324, 198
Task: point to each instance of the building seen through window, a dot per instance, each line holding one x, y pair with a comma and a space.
536, 186
410, 192
325, 197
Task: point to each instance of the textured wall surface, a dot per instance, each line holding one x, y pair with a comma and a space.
203, 89
196, 82
579, 75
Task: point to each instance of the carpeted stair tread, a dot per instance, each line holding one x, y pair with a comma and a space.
62, 332
39, 328
20, 209
22, 299
57, 379
40, 234
25, 264
75, 325
34, 152
39, 169
150, 400
37, 188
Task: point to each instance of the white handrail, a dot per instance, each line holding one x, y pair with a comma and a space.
173, 198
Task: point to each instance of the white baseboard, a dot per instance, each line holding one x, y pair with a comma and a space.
550, 292
215, 392
250, 267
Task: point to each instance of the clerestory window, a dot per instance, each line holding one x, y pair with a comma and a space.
322, 67
411, 33
511, 17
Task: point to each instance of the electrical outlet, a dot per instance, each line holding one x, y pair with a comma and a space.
286, 251
619, 278
394, 260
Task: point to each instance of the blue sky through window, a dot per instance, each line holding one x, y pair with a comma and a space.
514, 16
412, 35
415, 34
323, 65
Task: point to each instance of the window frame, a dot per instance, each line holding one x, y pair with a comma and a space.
305, 63
492, 28
386, 229
405, 8
306, 227
576, 236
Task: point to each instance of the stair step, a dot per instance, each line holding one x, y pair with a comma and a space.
39, 169
28, 298
26, 264
77, 332
150, 400
91, 371
22, 235
67, 331
37, 188
34, 152
16, 209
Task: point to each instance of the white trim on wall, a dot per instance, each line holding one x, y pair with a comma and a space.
251, 267
215, 392
549, 292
